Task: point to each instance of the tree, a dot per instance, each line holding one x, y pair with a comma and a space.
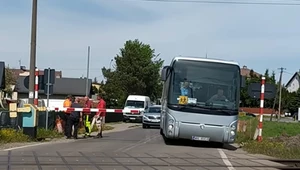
247, 101
136, 72
10, 80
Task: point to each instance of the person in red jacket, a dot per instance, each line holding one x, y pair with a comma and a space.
99, 118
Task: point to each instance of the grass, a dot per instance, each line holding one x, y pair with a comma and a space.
12, 136
16, 136
281, 140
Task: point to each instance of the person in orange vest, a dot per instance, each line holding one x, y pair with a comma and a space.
67, 104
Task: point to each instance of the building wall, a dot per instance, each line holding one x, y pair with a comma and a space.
294, 85
42, 96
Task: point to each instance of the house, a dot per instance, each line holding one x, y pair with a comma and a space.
61, 88
294, 83
24, 72
246, 72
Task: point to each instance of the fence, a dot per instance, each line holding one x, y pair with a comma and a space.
7, 122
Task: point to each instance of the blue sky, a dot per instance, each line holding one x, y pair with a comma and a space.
257, 36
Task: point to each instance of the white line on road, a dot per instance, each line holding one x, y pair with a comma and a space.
38, 144
141, 143
225, 160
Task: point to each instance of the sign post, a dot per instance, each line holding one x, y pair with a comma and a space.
261, 91
49, 80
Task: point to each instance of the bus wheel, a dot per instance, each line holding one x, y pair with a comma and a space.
167, 140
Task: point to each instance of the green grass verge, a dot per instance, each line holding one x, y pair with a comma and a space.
13, 136
281, 140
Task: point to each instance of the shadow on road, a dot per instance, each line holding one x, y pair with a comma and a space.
191, 143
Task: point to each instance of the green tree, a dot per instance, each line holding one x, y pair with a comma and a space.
136, 72
10, 79
246, 100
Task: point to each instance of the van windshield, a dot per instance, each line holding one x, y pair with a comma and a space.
134, 104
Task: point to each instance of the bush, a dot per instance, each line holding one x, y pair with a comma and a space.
12, 135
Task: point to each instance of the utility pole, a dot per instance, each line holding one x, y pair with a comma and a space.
32, 52
87, 72
280, 91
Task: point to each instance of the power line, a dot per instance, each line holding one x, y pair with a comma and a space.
222, 2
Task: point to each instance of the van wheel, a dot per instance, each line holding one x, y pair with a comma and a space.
144, 126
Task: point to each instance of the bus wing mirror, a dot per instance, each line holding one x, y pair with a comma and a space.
165, 73
243, 81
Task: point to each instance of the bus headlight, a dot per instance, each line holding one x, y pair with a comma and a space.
171, 121
171, 124
233, 127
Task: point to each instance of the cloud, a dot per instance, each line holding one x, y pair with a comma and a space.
251, 35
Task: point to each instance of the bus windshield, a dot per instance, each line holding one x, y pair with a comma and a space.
134, 104
208, 85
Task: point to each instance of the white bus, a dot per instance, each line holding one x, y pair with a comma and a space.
200, 100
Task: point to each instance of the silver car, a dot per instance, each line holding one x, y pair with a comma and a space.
152, 116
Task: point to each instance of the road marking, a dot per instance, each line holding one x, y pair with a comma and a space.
225, 160
141, 143
25, 146
133, 145
37, 144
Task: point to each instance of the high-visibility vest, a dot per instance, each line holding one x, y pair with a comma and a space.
67, 103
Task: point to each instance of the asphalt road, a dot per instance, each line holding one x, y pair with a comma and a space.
134, 149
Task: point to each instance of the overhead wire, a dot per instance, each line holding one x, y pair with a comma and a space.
223, 2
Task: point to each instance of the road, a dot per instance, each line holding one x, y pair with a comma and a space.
133, 149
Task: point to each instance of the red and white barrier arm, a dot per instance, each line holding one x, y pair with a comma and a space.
89, 110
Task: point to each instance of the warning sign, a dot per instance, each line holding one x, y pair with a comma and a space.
183, 99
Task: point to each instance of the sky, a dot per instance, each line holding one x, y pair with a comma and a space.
258, 36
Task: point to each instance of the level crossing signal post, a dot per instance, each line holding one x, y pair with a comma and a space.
45, 84
261, 91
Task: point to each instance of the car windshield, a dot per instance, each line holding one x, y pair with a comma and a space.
205, 84
134, 104
153, 110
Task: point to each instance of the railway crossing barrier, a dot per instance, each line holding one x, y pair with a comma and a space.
30, 114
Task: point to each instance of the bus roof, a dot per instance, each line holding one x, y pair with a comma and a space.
204, 59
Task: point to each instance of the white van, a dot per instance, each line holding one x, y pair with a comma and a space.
135, 102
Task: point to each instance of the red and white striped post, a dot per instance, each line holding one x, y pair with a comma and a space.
261, 109
36, 87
